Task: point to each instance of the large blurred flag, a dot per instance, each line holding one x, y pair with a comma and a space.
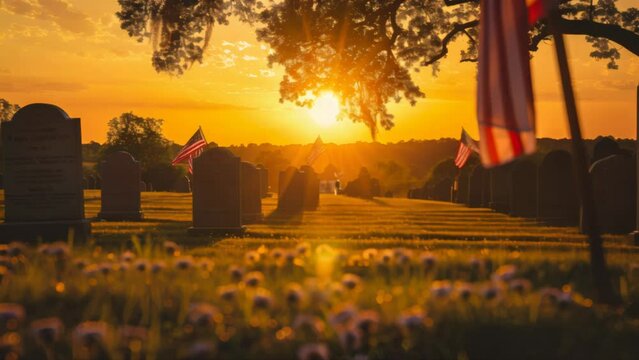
467, 145
505, 105
192, 149
317, 150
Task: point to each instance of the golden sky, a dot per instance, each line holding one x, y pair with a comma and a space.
72, 53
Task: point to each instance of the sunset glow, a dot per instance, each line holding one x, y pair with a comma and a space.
325, 110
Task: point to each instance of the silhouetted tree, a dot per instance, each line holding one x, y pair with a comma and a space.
362, 50
7, 110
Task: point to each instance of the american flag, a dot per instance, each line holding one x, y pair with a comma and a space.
466, 147
317, 150
505, 105
192, 149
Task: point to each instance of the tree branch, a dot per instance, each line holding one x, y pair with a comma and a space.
615, 33
448, 38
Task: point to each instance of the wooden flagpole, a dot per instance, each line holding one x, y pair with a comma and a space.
601, 276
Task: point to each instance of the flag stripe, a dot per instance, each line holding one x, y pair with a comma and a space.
192, 149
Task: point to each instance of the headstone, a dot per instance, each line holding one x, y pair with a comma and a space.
42, 158
291, 191
217, 194
251, 196
120, 191
476, 186
311, 188
461, 188
441, 190
604, 147
143, 186
499, 183
523, 189
182, 185
486, 189
98, 182
557, 202
614, 189
263, 181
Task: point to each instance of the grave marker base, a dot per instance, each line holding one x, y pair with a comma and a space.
252, 218
47, 231
121, 216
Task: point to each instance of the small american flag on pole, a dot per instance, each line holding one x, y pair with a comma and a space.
192, 149
317, 150
505, 105
467, 146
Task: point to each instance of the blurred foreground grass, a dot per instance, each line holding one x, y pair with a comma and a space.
380, 279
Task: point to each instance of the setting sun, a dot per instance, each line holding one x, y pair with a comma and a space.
325, 110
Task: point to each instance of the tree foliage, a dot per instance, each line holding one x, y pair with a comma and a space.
7, 110
364, 51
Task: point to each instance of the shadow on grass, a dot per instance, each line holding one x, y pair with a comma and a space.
284, 217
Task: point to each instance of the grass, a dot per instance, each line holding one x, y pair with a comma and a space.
380, 279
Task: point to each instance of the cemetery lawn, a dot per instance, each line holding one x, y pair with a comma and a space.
384, 278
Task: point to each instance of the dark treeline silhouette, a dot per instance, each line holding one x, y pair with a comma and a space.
399, 166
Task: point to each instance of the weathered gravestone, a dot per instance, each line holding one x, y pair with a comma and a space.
251, 199
217, 194
42, 158
557, 202
499, 181
291, 191
143, 186
311, 188
603, 148
476, 186
614, 189
120, 191
522, 189
263, 181
486, 189
182, 185
441, 190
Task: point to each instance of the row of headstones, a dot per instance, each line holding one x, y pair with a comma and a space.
94, 182
43, 181
548, 193
299, 190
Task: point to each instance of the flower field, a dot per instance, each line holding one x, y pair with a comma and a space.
382, 279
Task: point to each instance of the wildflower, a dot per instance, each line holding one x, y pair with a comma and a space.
141, 265
127, 256
251, 257
105, 268
16, 249
47, 331
184, 263
236, 272
308, 324
350, 338
80, 263
351, 281
4, 250
90, 340
367, 321
289, 258
262, 299
171, 248
491, 291
463, 290
441, 288
386, 257
412, 320
504, 273
158, 266
58, 249
402, 256
227, 292
132, 339
369, 254
90, 270
202, 314
206, 265
294, 294
343, 315
277, 254
254, 279
11, 315
128, 333
303, 249
520, 286
316, 351
428, 260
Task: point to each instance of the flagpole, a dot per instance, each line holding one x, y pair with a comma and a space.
600, 274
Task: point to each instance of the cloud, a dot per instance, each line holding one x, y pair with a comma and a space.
249, 58
60, 12
240, 45
23, 84
267, 72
